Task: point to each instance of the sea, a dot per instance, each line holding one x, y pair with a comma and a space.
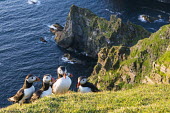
24, 22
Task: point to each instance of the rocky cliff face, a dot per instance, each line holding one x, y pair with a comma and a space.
146, 62
86, 32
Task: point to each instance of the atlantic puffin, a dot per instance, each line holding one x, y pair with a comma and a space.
63, 82
84, 86
46, 88
26, 91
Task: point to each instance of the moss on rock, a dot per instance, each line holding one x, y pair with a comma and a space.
146, 62
86, 32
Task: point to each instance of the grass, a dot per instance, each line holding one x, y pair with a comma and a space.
143, 98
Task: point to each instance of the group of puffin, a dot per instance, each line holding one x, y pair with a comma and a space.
49, 85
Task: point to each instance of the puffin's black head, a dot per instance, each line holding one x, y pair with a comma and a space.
31, 78
81, 80
48, 79
62, 71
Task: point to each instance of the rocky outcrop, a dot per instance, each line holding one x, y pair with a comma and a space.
146, 62
88, 33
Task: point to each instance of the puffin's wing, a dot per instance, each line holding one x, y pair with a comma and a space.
18, 96
93, 87
36, 95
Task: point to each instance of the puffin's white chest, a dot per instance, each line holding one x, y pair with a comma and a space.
84, 89
28, 92
47, 92
61, 85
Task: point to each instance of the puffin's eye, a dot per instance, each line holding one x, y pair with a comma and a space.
32, 77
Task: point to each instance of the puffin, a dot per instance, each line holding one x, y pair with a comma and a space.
85, 86
26, 91
63, 82
46, 88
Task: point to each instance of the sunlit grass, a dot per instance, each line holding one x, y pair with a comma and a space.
144, 98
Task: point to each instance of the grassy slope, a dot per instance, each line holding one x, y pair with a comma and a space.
144, 98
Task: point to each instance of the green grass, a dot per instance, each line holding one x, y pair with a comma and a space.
143, 98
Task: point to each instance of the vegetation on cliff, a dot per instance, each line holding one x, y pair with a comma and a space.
126, 56
146, 62
144, 98
86, 32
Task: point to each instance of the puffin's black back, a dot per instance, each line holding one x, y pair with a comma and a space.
90, 85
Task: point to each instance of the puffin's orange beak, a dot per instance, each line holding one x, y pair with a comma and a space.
53, 80
37, 79
78, 84
64, 75
71, 75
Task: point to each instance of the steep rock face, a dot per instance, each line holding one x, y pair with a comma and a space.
146, 62
86, 32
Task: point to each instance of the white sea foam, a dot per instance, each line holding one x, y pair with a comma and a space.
37, 2
115, 13
65, 59
142, 19
152, 29
52, 26
160, 20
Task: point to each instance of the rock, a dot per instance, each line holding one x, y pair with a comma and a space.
86, 32
71, 59
56, 28
42, 39
53, 30
150, 19
68, 56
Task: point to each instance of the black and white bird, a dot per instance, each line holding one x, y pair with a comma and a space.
26, 91
84, 86
46, 88
63, 82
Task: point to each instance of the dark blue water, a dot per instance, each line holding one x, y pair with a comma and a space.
22, 24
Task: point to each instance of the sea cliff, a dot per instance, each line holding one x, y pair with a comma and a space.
127, 53
87, 33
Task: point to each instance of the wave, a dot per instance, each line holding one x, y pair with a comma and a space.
153, 29
52, 26
154, 19
115, 13
65, 59
159, 20
142, 19
37, 2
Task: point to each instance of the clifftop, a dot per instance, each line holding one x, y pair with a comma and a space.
141, 99
86, 32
